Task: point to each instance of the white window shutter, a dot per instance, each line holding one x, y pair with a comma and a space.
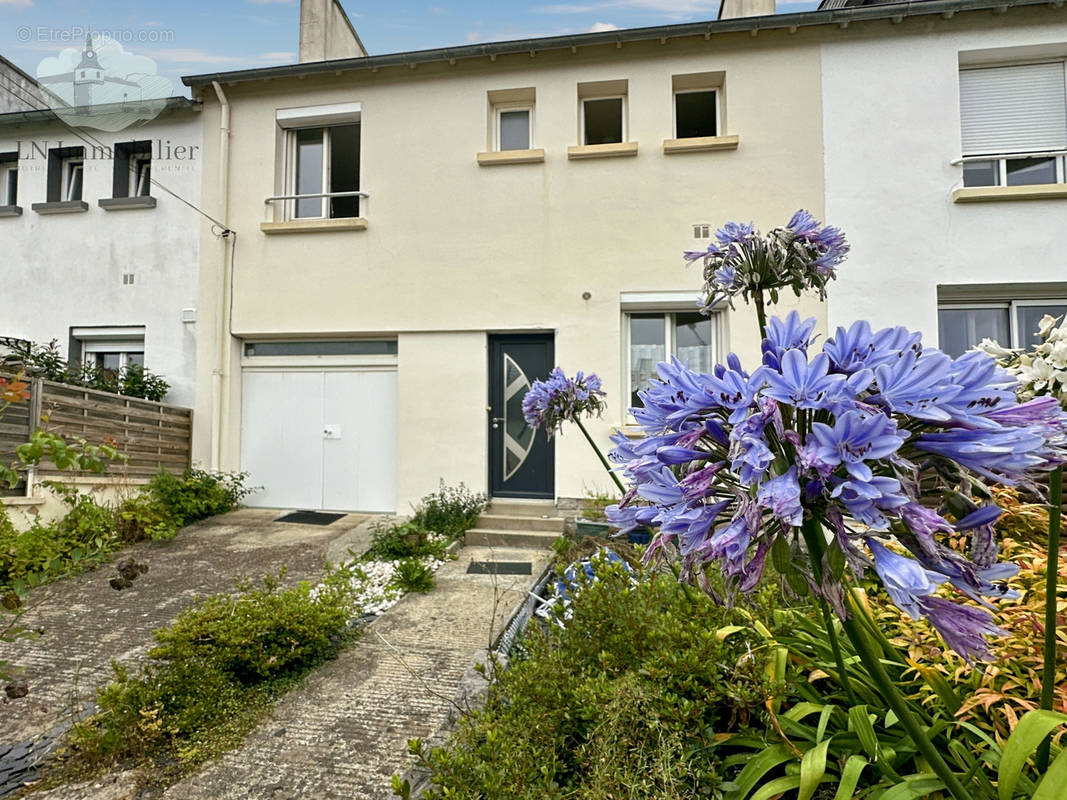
1016, 109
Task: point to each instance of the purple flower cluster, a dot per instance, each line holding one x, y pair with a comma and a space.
801, 255
558, 399
733, 461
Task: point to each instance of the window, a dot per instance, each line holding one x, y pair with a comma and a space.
1014, 124
133, 169
324, 161
602, 112
513, 129
696, 113
9, 179
652, 337
66, 171
1012, 323
108, 347
355, 347
702, 230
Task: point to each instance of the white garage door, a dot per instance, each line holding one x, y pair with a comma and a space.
320, 439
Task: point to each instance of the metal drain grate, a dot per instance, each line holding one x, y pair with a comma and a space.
310, 518
500, 568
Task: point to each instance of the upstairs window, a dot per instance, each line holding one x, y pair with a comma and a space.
1007, 314
322, 156
133, 169
66, 171
1014, 124
513, 128
9, 179
511, 116
603, 112
696, 113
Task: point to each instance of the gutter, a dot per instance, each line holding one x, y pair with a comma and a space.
219, 389
791, 22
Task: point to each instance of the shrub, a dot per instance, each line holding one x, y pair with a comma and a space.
213, 674
391, 541
628, 700
170, 502
450, 511
412, 575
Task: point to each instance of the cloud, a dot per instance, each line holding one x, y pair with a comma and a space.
16, 3
279, 55
192, 56
600, 27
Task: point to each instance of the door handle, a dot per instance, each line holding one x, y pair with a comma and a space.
496, 422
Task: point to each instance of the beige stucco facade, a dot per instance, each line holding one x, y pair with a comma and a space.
453, 250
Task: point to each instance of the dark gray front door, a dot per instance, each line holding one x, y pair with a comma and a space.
521, 460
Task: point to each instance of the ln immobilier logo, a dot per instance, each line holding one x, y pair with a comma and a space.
102, 86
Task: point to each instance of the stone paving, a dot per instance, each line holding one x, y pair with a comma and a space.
343, 733
86, 624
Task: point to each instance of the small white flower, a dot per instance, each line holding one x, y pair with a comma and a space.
1046, 325
994, 348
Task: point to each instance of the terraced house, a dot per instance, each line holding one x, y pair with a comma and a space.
411, 238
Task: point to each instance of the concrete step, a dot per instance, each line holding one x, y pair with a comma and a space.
489, 537
522, 508
520, 523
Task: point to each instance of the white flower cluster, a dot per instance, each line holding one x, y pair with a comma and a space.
1041, 371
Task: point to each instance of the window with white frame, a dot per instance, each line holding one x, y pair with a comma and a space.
322, 161
653, 337
513, 126
133, 169
66, 172
9, 179
110, 348
963, 323
602, 112
1014, 124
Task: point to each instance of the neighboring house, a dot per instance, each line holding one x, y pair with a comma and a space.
422, 234
945, 143
97, 253
18, 91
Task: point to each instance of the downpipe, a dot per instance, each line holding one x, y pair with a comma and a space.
222, 311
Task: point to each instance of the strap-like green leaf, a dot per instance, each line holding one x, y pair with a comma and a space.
860, 722
914, 786
850, 776
812, 769
1055, 781
824, 719
758, 766
1028, 734
776, 787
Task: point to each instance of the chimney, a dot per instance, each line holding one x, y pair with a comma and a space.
326, 32
732, 9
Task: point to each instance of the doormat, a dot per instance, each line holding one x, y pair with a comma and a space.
310, 518
500, 568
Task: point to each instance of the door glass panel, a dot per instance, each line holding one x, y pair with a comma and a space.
1027, 318
960, 329
648, 347
692, 337
518, 436
309, 154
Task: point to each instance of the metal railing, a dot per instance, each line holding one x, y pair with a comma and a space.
270, 200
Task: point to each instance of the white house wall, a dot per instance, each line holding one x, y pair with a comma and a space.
66, 270
891, 123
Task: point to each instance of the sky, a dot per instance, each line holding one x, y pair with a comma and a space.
187, 37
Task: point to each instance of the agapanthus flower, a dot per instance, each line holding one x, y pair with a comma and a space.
904, 578
964, 628
557, 399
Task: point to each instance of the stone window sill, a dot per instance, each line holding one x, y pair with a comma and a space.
10, 211
700, 144
61, 207
314, 225
613, 150
125, 203
986, 194
511, 157
22, 501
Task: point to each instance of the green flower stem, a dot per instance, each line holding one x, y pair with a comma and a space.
761, 313
600, 455
871, 658
1052, 572
812, 531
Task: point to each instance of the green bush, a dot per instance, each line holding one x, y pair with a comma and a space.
450, 511
82, 538
412, 575
391, 541
213, 674
170, 502
628, 701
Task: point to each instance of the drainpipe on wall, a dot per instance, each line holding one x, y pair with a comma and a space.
222, 316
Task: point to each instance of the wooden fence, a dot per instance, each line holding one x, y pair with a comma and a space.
154, 436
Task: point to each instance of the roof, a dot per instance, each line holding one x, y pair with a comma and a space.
48, 115
14, 68
824, 16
